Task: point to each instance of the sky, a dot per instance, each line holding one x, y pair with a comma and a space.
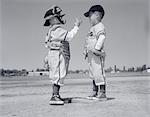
22, 33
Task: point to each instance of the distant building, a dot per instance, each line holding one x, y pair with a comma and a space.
148, 70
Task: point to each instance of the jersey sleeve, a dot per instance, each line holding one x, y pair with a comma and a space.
72, 33
101, 36
100, 30
62, 34
59, 34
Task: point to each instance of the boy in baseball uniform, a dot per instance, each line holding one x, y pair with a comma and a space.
57, 42
95, 51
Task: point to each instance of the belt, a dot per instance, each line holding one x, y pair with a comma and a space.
54, 49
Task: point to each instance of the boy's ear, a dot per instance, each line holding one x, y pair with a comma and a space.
100, 14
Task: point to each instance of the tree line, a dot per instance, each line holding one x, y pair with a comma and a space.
115, 69
14, 72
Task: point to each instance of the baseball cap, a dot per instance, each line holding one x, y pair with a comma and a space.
95, 8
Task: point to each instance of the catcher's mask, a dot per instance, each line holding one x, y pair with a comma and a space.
54, 11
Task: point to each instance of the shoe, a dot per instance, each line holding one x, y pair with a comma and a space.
56, 100
92, 96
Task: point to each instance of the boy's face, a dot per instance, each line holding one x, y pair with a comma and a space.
94, 17
54, 21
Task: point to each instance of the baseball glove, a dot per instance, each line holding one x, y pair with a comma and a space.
100, 53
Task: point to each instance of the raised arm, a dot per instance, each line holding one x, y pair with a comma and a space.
74, 31
60, 33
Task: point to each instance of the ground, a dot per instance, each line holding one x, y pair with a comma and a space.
29, 96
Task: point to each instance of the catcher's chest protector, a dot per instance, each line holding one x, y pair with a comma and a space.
65, 49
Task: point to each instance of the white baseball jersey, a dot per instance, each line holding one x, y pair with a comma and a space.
95, 38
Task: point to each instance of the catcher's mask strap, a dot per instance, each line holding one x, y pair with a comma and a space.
65, 36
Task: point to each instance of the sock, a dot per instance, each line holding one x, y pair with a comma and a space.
56, 89
103, 88
95, 88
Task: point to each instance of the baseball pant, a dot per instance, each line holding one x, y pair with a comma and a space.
58, 67
96, 68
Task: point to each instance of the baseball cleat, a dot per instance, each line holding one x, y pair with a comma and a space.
93, 96
56, 100
101, 96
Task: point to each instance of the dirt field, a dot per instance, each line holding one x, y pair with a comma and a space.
29, 96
